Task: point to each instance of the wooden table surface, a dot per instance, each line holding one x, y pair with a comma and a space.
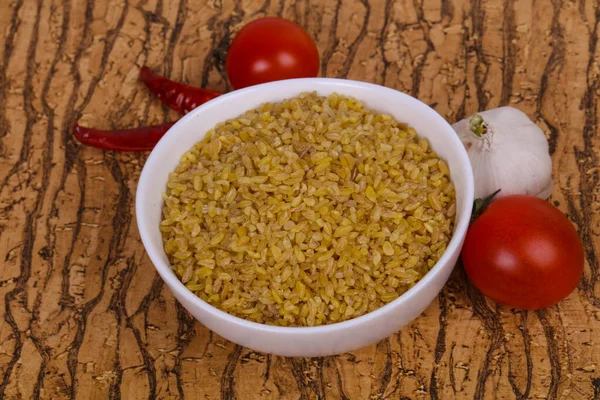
85, 316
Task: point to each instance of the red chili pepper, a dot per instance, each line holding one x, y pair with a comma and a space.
177, 96
137, 139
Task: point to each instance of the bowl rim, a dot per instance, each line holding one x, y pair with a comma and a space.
174, 283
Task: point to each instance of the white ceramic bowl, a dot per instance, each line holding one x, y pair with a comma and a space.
305, 341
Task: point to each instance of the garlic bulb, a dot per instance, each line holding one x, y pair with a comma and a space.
508, 152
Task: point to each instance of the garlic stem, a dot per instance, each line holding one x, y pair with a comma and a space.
477, 125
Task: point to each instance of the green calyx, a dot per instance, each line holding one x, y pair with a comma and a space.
479, 205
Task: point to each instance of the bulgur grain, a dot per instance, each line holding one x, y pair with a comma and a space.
306, 212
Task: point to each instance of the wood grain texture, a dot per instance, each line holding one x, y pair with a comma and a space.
84, 315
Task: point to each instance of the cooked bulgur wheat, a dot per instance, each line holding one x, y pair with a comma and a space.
306, 212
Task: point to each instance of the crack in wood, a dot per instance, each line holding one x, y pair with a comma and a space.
440, 346
228, 376
508, 51
553, 354
554, 62
589, 156
482, 66
7, 53
19, 293
529, 362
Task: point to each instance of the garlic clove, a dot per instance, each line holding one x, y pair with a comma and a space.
508, 152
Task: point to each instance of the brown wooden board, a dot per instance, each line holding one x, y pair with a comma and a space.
85, 316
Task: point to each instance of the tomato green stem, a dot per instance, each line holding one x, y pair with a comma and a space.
479, 205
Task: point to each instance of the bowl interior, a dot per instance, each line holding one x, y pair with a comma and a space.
192, 128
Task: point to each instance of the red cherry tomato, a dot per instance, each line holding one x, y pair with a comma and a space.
524, 253
271, 49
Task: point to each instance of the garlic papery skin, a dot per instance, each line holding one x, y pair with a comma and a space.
511, 154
